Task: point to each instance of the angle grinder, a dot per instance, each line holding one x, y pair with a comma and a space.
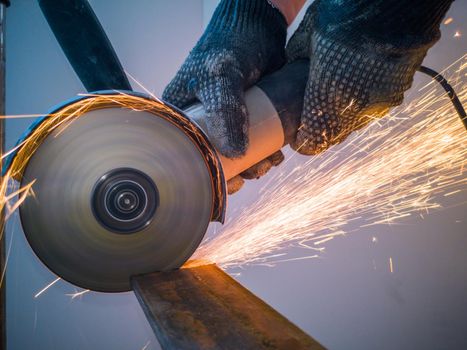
125, 184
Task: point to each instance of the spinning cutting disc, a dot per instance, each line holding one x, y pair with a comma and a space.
117, 193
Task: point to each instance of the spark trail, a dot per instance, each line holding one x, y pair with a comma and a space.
392, 169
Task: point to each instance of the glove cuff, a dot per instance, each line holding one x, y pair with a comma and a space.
247, 16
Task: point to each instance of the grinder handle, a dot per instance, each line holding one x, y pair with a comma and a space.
285, 89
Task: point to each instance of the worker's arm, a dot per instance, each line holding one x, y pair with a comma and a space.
363, 56
289, 8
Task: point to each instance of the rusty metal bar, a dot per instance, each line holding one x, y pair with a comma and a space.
204, 308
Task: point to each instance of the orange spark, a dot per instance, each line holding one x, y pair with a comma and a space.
448, 20
390, 170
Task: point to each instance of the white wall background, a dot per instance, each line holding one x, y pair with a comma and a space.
340, 299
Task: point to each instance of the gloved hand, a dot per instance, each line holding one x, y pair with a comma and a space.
363, 56
244, 40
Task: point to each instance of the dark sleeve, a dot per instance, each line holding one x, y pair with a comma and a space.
398, 23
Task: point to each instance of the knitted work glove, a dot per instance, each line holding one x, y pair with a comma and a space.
244, 40
363, 56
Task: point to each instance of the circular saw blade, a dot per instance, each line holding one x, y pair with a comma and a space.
59, 222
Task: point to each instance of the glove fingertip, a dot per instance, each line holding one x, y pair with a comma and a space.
276, 158
235, 184
257, 170
234, 149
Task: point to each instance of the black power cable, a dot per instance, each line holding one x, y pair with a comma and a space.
449, 89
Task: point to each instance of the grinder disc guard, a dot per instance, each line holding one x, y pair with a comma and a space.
119, 192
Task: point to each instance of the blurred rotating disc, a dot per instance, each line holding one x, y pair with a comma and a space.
117, 193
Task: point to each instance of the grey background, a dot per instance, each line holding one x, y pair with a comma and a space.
340, 299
